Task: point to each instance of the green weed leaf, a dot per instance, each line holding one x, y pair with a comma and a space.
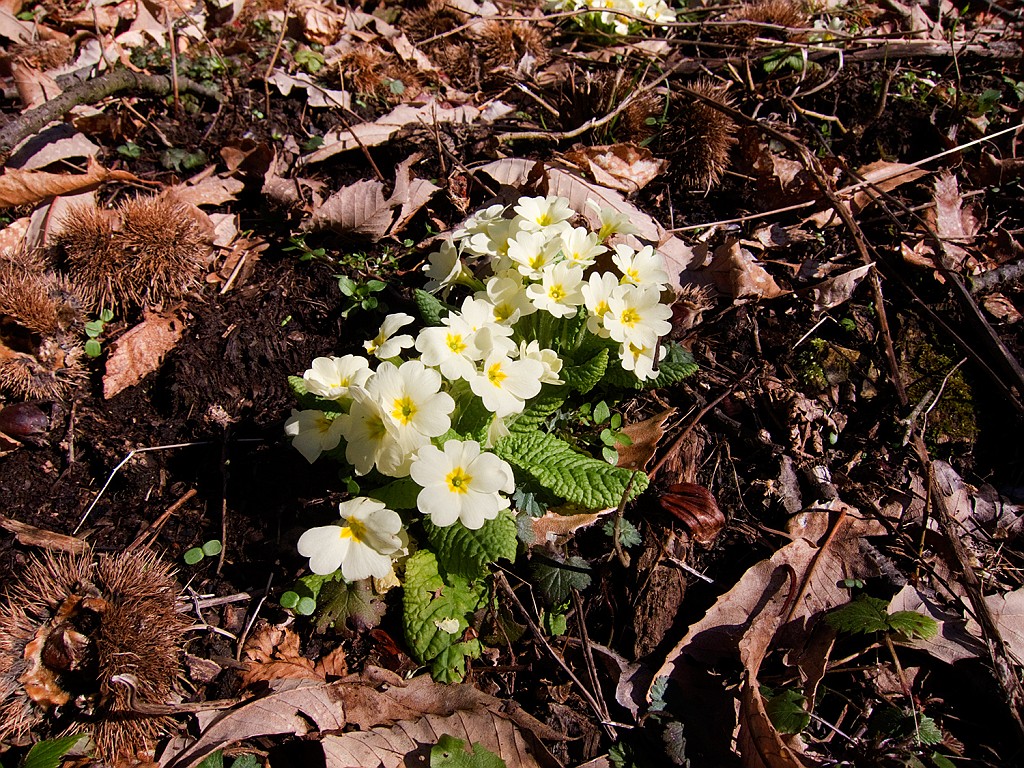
912, 624
554, 464
786, 711
450, 752
585, 376
556, 579
430, 600
677, 365
353, 604
468, 553
431, 308
861, 616
49, 753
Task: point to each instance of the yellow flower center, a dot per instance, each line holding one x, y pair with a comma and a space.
503, 312
536, 262
458, 481
544, 219
403, 410
601, 309
629, 317
353, 529
556, 293
455, 343
375, 428
633, 274
495, 375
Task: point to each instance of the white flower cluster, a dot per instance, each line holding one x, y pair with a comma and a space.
615, 15
501, 347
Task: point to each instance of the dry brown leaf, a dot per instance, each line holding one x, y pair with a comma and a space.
23, 187
624, 167
13, 236
1001, 308
382, 129
375, 698
837, 290
885, 176
140, 351
823, 553
208, 190
60, 142
645, 436
13, 29
334, 664
758, 742
737, 274
361, 209
316, 94
34, 87
1008, 612
557, 527
272, 653
953, 642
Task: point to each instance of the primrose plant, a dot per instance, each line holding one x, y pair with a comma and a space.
445, 424
620, 17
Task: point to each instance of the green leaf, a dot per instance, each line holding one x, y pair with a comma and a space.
449, 666
212, 548
289, 599
468, 553
193, 556
677, 365
306, 606
554, 623
349, 604
928, 732
215, 760
786, 711
538, 410
48, 754
451, 753
629, 536
246, 761
912, 624
863, 615
556, 579
601, 412
430, 599
93, 348
555, 465
941, 761
585, 376
431, 308
398, 494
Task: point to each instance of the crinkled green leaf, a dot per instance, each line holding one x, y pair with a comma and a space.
629, 536
473, 416
48, 754
928, 731
677, 365
468, 553
429, 599
557, 579
450, 752
585, 376
398, 494
539, 409
786, 711
449, 666
215, 760
431, 308
344, 604
912, 624
557, 466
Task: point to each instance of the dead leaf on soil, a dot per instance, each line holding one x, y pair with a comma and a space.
645, 436
361, 209
13, 29
737, 274
375, 698
19, 187
1008, 612
383, 128
556, 526
316, 94
823, 553
1001, 308
953, 642
272, 653
625, 167
837, 290
55, 144
884, 176
140, 351
206, 190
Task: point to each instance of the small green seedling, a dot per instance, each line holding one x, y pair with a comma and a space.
94, 329
212, 548
310, 60
611, 437
361, 295
866, 615
306, 252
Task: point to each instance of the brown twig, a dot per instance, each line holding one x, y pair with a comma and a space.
154, 528
90, 92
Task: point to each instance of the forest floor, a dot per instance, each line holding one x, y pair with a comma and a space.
824, 567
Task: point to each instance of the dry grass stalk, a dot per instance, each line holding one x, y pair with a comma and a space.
149, 250
72, 623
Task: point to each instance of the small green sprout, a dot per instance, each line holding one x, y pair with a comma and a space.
212, 548
130, 150
309, 60
361, 295
306, 252
94, 329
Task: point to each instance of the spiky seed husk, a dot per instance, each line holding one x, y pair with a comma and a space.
784, 13
150, 250
697, 137
509, 49
68, 626
432, 18
40, 321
